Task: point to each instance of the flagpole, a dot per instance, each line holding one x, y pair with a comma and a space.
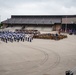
66, 24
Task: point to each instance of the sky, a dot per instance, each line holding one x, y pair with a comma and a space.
36, 7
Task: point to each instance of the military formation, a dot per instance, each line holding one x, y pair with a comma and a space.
8, 36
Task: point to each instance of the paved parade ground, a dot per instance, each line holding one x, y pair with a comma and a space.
39, 57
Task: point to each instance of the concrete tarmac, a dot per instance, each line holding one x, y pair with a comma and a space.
39, 57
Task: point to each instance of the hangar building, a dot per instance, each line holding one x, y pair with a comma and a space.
41, 22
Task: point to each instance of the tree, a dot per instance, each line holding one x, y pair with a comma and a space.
1, 25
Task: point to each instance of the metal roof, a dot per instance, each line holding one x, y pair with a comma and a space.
32, 20
36, 19
54, 16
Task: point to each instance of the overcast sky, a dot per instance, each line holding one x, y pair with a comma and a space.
36, 7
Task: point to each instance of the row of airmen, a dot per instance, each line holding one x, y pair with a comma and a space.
14, 36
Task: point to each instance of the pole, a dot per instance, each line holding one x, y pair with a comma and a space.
66, 24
